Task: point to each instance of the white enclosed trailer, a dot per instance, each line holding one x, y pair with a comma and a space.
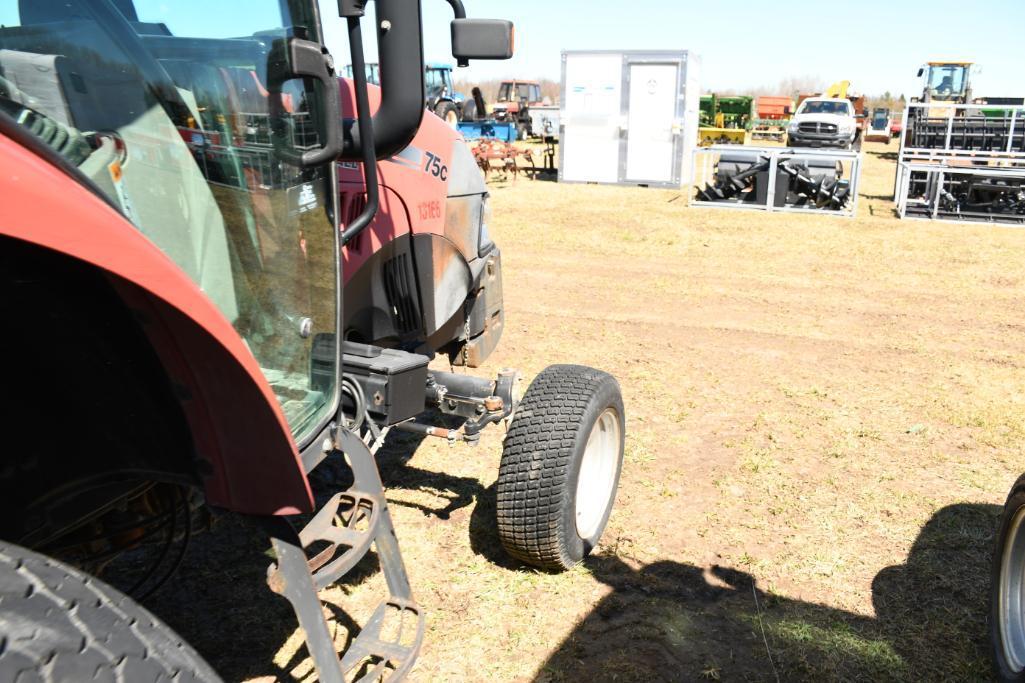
628, 117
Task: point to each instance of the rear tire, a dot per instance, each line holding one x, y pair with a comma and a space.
59, 624
469, 111
560, 466
1007, 590
449, 113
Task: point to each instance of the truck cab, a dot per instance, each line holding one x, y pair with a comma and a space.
823, 122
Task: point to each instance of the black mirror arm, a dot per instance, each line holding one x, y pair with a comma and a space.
401, 74
460, 12
365, 125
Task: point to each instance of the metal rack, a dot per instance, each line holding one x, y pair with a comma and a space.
822, 195
950, 153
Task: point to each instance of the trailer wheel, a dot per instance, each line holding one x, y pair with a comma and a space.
448, 112
560, 466
1007, 589
59, 624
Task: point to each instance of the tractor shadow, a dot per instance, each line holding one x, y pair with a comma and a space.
666, 621
459, 492
669, 621
219, 601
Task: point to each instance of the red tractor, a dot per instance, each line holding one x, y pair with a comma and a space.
514, 102
211, 287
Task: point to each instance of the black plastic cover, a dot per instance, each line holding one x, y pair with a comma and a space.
394, 382
482, 39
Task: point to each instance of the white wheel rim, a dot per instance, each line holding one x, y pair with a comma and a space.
452, 119
597, 474
1011, 596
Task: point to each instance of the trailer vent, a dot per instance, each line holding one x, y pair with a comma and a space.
398, 285
353, 204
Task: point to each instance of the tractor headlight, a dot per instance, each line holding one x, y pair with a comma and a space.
484, 241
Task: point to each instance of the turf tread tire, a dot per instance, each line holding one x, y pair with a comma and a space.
1015, 500
535, 482
60, 625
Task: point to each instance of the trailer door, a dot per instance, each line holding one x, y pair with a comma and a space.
651, 129
592, 105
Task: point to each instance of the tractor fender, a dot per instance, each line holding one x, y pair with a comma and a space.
236, 422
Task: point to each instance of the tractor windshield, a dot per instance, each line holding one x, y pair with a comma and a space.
165, 106
514, 92
436, 81
947, 82
371, 71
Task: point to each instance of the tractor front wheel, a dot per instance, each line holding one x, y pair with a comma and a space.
1007, 589
62, 625
560, 466
449, 113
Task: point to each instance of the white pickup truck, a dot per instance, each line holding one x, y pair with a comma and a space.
823, 122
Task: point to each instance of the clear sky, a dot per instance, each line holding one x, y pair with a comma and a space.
876, 44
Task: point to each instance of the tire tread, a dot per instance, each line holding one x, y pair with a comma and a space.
59, 624
532, 488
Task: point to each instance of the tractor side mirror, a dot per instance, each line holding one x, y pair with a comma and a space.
482, 39
920, 72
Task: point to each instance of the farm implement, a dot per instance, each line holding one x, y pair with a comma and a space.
772, 116
962, 162
724, 119
880, 126
777, 179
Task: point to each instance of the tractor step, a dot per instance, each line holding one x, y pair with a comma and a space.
329, 546
349, 521
389, 643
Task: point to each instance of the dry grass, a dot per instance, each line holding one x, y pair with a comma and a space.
823, 416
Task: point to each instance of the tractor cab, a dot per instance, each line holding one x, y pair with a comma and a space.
189, 193
512, 93
442, 99
373, 72
195, 135
946, 82
438, 81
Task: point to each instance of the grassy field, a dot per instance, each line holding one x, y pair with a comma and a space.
824, 416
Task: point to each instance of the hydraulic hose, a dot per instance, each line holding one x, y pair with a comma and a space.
366, 130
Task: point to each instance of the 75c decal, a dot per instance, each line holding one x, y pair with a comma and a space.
435, 167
